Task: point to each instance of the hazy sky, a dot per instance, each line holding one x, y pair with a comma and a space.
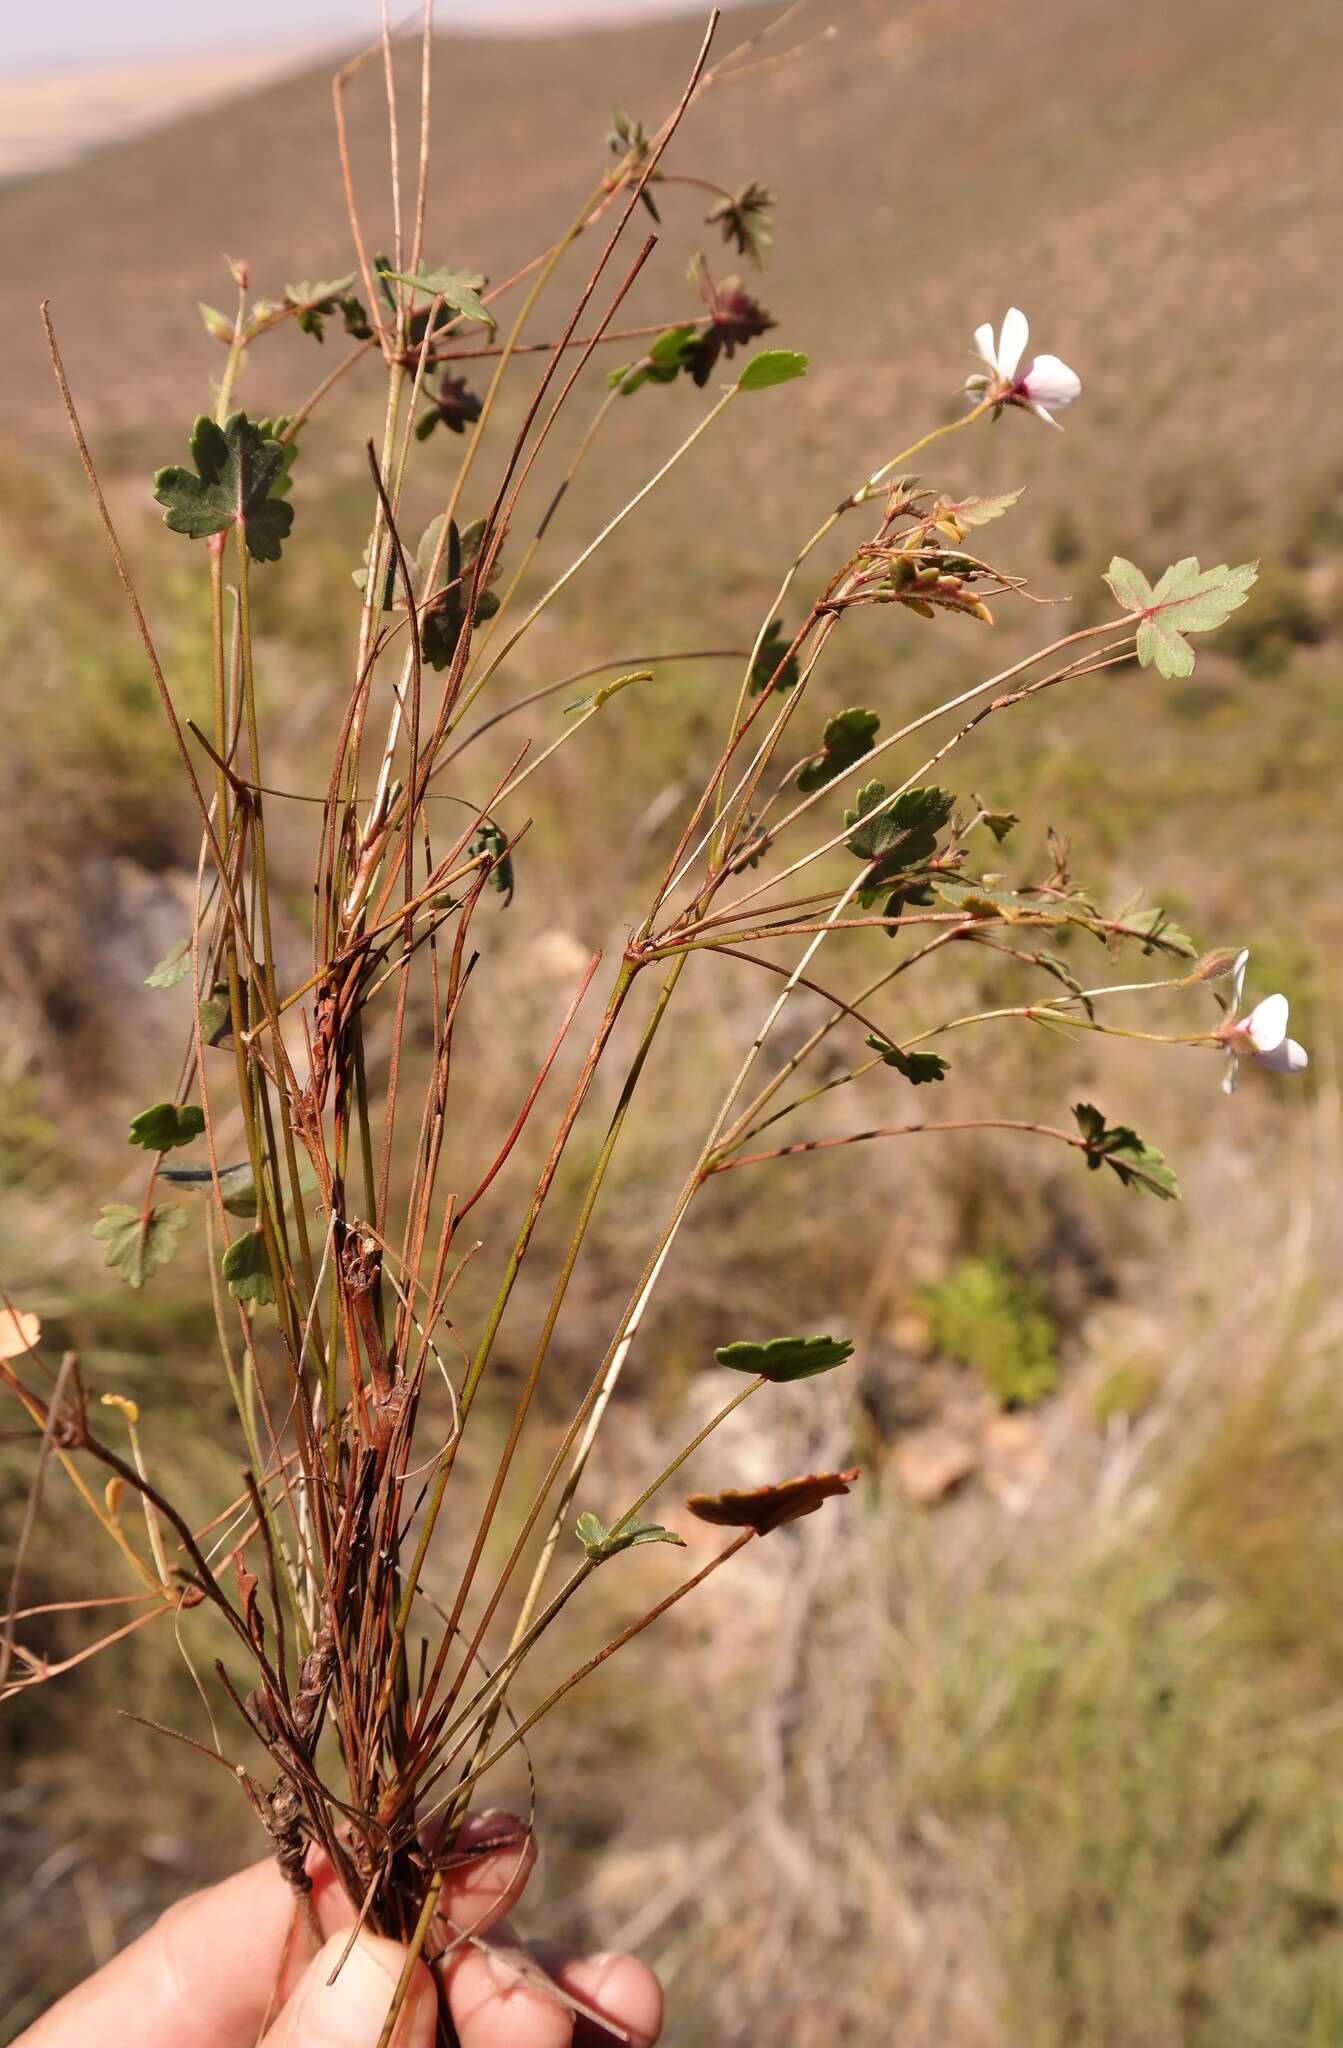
73, 30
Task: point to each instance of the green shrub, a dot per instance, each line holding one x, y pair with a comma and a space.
1279, 615
990, 1317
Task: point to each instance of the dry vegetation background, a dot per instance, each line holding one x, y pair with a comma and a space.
1038, 1747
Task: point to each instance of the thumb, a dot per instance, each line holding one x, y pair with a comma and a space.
352, 2011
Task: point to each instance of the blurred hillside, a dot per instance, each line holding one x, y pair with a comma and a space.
1078, 1787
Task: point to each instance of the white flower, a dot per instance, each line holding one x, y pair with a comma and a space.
1044, 387
1261, 1036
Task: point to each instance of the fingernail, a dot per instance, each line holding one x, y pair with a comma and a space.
495, 1827
352, 2011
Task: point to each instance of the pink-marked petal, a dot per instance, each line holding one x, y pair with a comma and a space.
1012, 341
1266, 1025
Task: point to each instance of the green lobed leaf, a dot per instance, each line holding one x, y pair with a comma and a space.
1161, 647
1123, 1151
746, 220
1131, 588
312, 302
847, 737
911, 892
441, 622
773, 649
271, 430
171, 968
1160, 933
1000, 823
601, 1543
236, 473
673, 349
459, 289
136, 1248
904, 833
785, 1358
246, 1268
974, 897
1185, 599
165, 1127
1199, 600
216, 1015
960, 517
772, 366
494, 842
237, 1184
672, 352
918, 1068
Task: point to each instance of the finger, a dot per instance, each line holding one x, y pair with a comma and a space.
206, 1973
500, 1997
485, 1873
215, 1968
620, 1988
484, 1876
350, 2010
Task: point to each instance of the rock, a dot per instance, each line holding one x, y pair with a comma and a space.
909, 1331
558, 955
1017, 1460
931, 1463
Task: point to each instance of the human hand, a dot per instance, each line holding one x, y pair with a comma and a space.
226, 1968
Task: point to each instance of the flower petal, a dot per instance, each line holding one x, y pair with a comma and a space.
1051, 382
1238, 978
1266, 1025
1287, 1058
1042, 412
1229, 1077
984, 348
1012, 341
